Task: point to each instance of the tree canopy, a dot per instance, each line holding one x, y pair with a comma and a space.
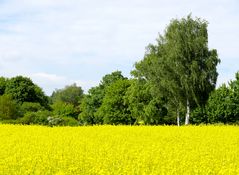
70, 94
180, 64
94, 99
22, 89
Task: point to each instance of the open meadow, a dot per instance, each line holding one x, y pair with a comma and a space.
119, 150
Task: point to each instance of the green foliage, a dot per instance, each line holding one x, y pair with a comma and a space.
8, 108
180, 65
94, 99
22, 89
30, 107
3, 82
234, 95
218, 107
68, 121
70, 94
144, 105
199, 116
64, 109
39, 117
9, 121
114, 110
88, 107
62, 121
137, 97
109, 79
176, 76
223, 104
45, 118
156, 113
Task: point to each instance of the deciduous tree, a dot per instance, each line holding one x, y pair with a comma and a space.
181, 64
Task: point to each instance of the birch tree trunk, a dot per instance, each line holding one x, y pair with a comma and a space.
187, 113
178, 118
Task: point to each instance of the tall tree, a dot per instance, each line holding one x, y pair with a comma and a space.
181, 65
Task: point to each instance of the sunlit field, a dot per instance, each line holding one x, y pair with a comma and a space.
119, 150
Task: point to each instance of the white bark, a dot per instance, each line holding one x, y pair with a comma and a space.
178, 118
187, 113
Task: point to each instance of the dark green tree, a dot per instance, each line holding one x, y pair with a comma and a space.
22, 89
3, 82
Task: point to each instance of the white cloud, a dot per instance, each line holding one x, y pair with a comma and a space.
51, 81
49, 77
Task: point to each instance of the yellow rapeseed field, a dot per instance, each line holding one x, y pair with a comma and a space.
119, 150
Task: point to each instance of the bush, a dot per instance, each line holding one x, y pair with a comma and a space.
9, 121
39, 117
31, 107
62, 121
64, 109
69, 121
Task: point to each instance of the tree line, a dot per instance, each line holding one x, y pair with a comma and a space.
173, 84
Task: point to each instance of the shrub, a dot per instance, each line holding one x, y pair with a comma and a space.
62, 121
64, 109
30, 107
39, 117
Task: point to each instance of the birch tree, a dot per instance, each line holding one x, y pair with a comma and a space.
181, 64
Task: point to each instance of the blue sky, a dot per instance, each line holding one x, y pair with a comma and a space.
59, 42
